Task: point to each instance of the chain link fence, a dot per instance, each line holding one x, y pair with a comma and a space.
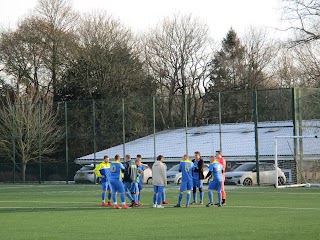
242, 124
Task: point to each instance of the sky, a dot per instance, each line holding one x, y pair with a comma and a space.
140, 15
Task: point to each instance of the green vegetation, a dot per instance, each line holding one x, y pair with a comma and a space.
74, 212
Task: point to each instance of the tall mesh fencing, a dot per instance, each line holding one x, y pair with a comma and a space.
67, 135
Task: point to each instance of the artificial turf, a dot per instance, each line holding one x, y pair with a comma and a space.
73, 212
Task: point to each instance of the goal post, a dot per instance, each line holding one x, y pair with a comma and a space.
298, 157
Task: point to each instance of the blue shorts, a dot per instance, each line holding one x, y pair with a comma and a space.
158, 189
215, 185
117, 186
186, 186
106, 186
140, 186
197, 183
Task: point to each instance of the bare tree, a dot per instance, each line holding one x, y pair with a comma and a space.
303, 17
177, 53
260, 51
57, 37
22, 55
29, 128
307, 57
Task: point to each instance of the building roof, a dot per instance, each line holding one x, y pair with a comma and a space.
238, 142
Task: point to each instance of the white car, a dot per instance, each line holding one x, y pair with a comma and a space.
174, 176
147, 174
86, 175
246, 174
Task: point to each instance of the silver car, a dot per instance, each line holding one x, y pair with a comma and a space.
246, 174
86, 175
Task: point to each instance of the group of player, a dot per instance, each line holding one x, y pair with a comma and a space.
123, 179
192, 177
126, 180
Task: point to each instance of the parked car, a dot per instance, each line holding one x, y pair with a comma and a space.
174, 176
147, 174
234, 167
86, 175
247, 172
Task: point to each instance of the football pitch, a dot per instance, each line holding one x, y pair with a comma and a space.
74, 212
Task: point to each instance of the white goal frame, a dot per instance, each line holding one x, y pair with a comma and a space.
276, 162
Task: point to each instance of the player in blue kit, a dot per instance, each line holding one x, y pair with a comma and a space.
186, 168
103, 172
116, 169
141, 172
215, 171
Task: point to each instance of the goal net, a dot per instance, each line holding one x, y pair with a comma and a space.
298, 158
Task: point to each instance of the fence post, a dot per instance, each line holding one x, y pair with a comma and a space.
186, 120
294, 121
256, 136
39, 142
154, 127
220, 126
123, 129
94, 135
66, 130
14, 144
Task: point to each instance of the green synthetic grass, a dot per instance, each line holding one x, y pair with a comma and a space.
74, 212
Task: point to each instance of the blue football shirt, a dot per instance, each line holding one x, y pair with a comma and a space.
115, 170
106, 173
216, 169
186, 168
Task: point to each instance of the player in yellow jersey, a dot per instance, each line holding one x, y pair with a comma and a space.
103, 172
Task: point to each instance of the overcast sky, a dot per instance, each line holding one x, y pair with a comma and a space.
140, 15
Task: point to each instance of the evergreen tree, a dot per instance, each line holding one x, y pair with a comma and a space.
228, 65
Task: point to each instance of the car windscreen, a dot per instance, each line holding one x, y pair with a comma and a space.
86, 168
174, 168
245, 167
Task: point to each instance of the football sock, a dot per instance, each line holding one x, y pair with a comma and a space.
103, 197
201, 196
180, 198
109, 195
139, 197
194, 197
188, 199
210, 195
154, 198
129, 196
163, 196
122, 197
114, 197
219, 198
159, 197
